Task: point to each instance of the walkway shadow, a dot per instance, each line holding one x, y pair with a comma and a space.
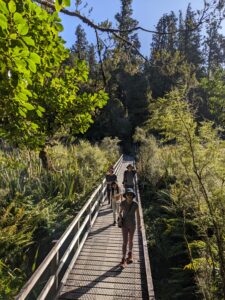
104, 212
113, 272
97, 231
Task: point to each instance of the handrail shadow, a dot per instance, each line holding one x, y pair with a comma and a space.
97, 231
85, 288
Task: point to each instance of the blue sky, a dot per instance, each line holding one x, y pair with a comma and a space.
147, 12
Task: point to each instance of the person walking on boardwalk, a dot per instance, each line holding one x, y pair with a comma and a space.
116, 200
128, 177
110, 177
128, 209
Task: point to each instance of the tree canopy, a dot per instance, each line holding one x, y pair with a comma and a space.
40, 94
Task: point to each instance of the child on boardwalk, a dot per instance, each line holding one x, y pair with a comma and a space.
116, 199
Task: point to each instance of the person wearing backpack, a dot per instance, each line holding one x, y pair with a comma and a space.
116, 199
129, 209
128, 177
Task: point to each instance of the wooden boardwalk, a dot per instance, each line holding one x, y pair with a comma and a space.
84, 261
97, 274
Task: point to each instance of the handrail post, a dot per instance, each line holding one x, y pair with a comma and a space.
53, 270
75, 230
78, 227
100, 195
90, 206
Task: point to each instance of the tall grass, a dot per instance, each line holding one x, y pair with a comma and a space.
36, 205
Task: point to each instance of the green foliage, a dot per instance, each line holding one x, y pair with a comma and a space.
192, 178
59, 4
39, 94
214, 89
36, 205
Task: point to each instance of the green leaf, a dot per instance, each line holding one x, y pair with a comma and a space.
59, 26
22, 96
31, 65
21, 65
3, 21
27, 92
41, 108
58, 5
47, 74
35, 57
18, 18
34, 126
23, 29
13, 36
39, 113
24, 53
3, 8
28, 106
67, 2
28, 40
12, 6
22, 112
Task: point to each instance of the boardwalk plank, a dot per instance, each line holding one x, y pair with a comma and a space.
109, 256
110, 273
118, 279
105, 284
98, 261
91, 289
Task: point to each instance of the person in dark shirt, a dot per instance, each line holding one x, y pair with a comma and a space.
128, 209
110, 177
128, 177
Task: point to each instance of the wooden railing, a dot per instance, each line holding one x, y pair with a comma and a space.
55, 268
150, 288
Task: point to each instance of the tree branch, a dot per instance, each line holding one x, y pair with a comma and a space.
114, 30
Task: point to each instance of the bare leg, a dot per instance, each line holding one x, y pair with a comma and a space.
131, 237
125, 240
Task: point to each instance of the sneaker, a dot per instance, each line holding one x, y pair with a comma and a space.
114, 223
129, 258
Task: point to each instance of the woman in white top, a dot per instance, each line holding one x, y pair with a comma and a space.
116, 199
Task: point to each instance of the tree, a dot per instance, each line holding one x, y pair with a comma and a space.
163, 70
128, 104
199, 185
106, 27
214, 47
92, 62
80, 48
39, 94
125, 23
214, 88
165, 42
189, 38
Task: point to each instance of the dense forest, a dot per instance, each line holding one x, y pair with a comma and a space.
62, 107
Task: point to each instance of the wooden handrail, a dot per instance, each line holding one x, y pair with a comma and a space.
151, 293
27, 288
